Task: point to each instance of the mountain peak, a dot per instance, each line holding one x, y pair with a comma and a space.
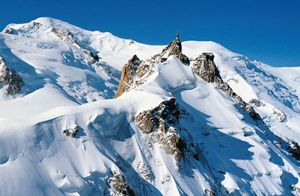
98, 114
175, 48
45, 21
178, 42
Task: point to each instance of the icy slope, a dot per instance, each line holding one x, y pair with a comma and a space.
276, 88
63, 134
234, 153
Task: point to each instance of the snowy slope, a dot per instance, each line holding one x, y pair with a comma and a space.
67, 88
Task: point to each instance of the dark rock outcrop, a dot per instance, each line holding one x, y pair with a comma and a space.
36, 25
128, 73
33, 26
145, 171
256, 102
174, 48
136, 71
64, 35
167, 113
71, 132
294, 150
9, 30
205, 67
118, 185
280, 115
162, 123
91, 55
10, 78
296, 189
209, 192
68, 37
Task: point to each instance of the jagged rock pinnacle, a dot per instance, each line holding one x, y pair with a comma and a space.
206, 68
135, 69
178, 42
127, 74
174, 48
177, 37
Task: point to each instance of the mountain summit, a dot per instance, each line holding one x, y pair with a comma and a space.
88, 113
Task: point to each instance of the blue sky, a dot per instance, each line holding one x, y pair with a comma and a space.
268, 30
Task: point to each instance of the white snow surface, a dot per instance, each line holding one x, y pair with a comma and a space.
64, 89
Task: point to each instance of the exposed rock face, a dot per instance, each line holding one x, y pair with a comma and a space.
135, 72
142, 169
166, 113
94, 57
161, 122
256, 102
296, 189
118, 185
294, 150
280, 115
36, 25
10, 78
64, 35
67, 36
9, 31
205, 67
175, 48
209, 192
71, 132
127, 75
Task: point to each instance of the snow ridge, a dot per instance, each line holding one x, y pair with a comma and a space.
174, 128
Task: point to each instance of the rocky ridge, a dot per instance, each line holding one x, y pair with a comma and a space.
161, 123
174, 48
64, 35
205, 67
136, 71
228, 148
10, 78
129, 71
68, 37
118, 185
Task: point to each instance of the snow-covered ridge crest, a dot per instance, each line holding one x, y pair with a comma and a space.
175, 130
136, 72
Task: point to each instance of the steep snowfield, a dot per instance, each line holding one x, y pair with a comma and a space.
67, 88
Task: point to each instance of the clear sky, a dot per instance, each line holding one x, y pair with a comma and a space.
267, 30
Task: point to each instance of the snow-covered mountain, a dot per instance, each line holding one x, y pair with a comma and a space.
88, 113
